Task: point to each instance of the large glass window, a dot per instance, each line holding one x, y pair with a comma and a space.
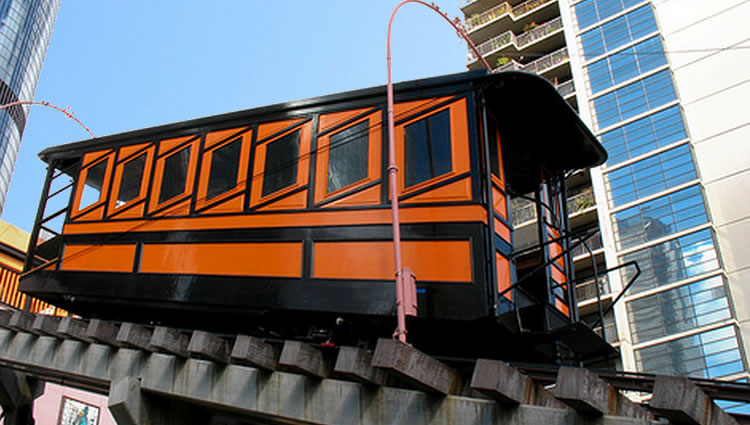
225, 164
634, 98
626, 64
709, 354
650, 175
671, 261
589, 12
644, 135
282, 158
618, 32
680, 309
348, 156
659, 217
131, 180
175, 174
427, 148
92, 190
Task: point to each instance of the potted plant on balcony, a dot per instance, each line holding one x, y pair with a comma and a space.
502, 60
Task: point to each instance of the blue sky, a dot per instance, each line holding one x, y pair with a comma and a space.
127, 65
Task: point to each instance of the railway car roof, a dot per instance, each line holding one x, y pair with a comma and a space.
539, 131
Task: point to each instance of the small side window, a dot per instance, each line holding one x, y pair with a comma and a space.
175, 174
92, 190
225, 164
132, 178
282, 158
348, 156
427, 148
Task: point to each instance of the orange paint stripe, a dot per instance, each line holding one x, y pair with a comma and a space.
113, 258
467, 213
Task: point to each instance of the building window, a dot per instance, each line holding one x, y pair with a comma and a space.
131, 180
427, 148
282, 158
650, 175
589, 12
618, 32
680, 309
348, 156
225, 164
659, 217
626, 64
94, 181
174, 177
671, 261
634, 98
711, 354
644, 135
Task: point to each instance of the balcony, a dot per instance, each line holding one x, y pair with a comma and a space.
524, 210
566, 89
478, 20
582, 200
509, 39
594, 243
539, 66
586, 291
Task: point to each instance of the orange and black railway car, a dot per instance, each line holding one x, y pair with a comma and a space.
277, 220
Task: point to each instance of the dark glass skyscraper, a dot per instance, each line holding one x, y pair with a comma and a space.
25, 30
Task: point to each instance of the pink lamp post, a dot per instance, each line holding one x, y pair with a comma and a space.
65, 111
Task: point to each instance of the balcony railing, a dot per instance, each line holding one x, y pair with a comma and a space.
581, 201
566, 89
478, 20
587, 290
520, 41
594, 243
546, 62
524, 210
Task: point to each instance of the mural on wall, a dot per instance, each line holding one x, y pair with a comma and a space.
74, 412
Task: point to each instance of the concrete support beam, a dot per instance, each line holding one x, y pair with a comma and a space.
126, 403
682, 402
587, 393
15, 398
356, 363
5, 315
103, 332
250, 351
168, 340
509, 386
204, 345
46, 325
74, 328
22, 321
134, 336
415, 367
302, 358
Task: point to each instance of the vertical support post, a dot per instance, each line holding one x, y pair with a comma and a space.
29, 263
490, 208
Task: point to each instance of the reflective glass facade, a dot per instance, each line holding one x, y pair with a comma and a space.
25, 30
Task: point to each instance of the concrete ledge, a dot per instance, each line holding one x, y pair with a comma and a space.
302, 358
509, 386
355, 363
415, 367
101, 331
22, 321
134, 336
5, 315
74, 328
250, 351
46, 325
126, 402
682, 402
171, 341
204, 345
587, 393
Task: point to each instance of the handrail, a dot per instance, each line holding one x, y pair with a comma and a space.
520, 41
502, 9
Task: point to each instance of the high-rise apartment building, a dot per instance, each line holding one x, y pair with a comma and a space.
663, 84
25, 30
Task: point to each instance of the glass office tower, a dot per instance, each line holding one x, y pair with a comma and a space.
25, 29
662, 85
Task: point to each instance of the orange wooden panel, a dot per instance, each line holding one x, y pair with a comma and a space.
442, 261
218, 136
462, 213
500, 180
500, 203
132, 212
502, 230
330, 120
459, 146
236, 259
236, 204
457, 191
562, 307
374, 123
369, 196
177, 209
503, 275
269, 129
126, 151
106, 258
168, 144
403, 110
294, 201
557, 275
93, 213
555, 249
92, 157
